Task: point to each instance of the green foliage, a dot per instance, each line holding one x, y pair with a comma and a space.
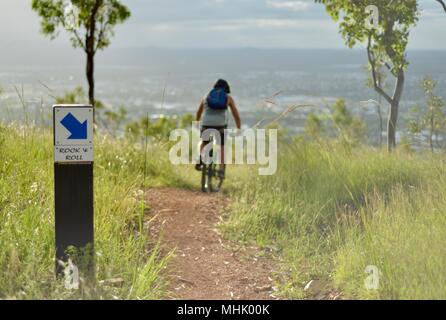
314, 126
404, 236
114, 120
386, 42
186, 121
331, 211
380, 74
339, 122
76, 96
389, 40
124, 249
433, 120
159, 129
79, 18
349, 127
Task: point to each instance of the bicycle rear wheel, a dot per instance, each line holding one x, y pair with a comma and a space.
210, 181
204, 178
215, 182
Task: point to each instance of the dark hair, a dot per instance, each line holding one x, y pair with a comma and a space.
223, 84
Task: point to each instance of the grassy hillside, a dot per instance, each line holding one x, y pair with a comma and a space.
331, 211
122, 237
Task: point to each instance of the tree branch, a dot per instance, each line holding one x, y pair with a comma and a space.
74, 31
388, 66
101, 35
388, 32
91, 28
372, 62
442, 3
76, 34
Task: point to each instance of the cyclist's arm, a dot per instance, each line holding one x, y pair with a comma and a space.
200, 111
235, 114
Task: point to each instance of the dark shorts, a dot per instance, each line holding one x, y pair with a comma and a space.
221, 131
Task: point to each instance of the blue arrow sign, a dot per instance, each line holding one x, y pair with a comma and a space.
77, 129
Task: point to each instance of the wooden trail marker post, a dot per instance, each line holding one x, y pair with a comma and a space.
73, 186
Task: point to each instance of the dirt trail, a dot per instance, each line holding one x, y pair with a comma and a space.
205, 266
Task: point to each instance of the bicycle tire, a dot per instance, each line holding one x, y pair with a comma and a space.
208, 173
218, 182
204, 179
211, 174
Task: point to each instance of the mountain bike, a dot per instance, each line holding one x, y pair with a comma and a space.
210, 180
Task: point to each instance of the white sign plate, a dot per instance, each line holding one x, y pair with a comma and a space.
73, 133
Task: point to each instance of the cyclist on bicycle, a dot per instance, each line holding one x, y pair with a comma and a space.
213, 113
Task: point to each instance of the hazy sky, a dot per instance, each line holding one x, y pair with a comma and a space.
212, 23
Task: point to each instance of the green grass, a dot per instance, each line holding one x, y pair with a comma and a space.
331, 211
405, 238
123, 245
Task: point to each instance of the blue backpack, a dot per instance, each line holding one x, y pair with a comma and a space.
218, 99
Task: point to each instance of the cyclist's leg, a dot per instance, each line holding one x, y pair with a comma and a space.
203, 144
222, 168
222, 159
199, 164
220, 142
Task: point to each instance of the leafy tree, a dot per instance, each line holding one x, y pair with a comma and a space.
386, 43
89, 23
433, 121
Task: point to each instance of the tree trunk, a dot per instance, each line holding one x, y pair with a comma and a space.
380, 118
431, 142
394, 108
90, 50
90, 77
391, 126
380, 81
431, 132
